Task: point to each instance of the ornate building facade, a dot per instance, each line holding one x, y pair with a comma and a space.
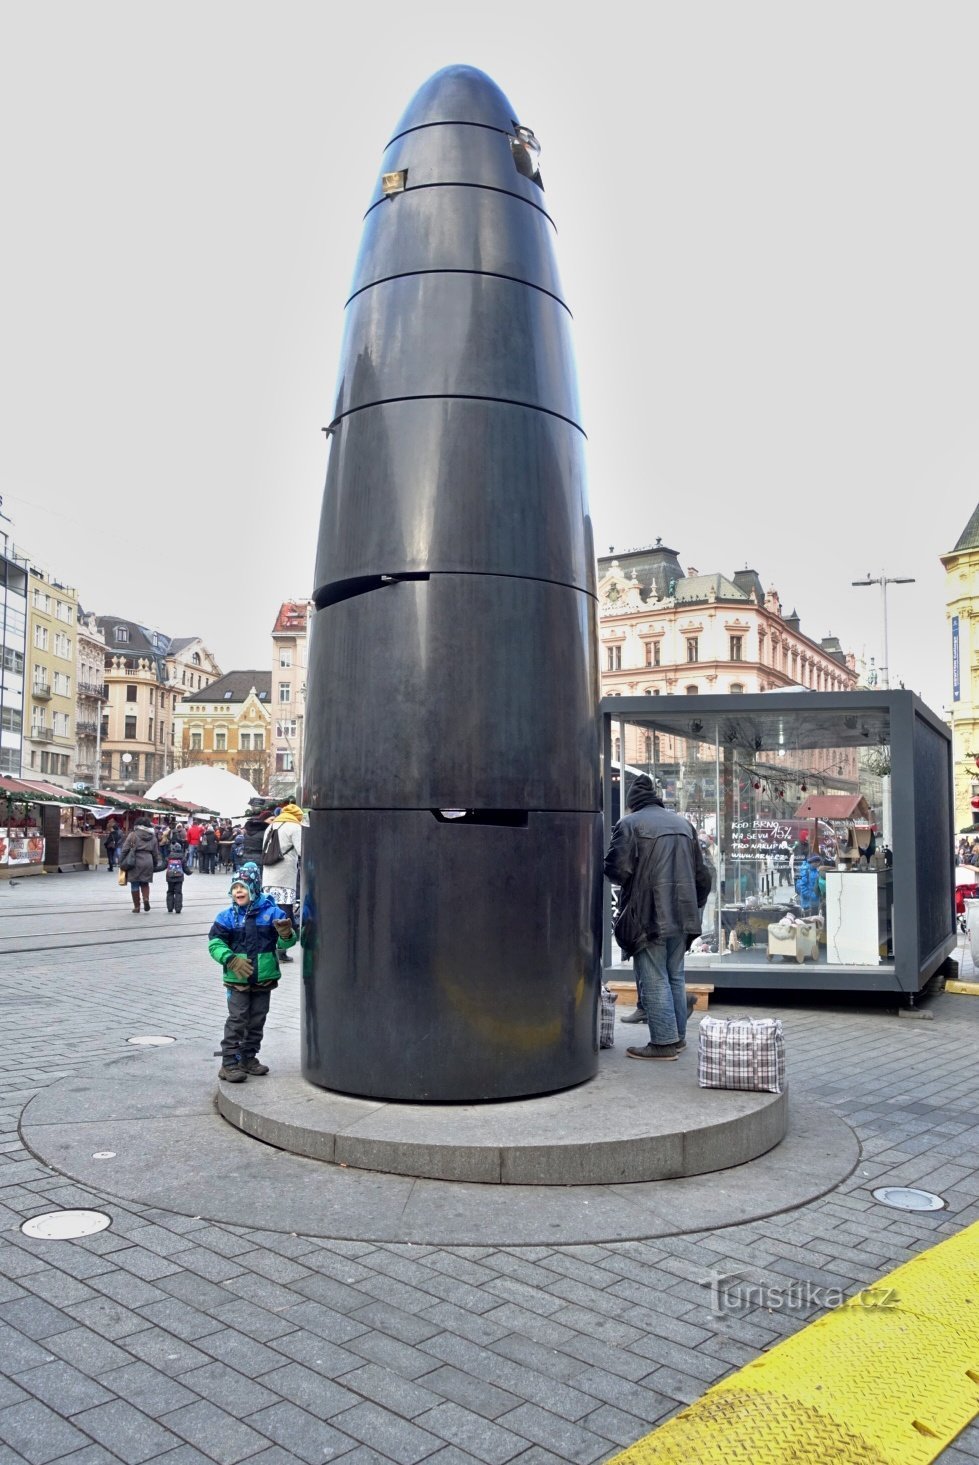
146, 673
664, 630
228, 725
962, 612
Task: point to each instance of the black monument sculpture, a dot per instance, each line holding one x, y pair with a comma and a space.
453, 859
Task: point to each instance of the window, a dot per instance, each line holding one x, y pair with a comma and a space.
105, 725
649, 748
132, 693
737, 687
121, 633
196, 658
62, 684
42, 601
285, 656
614, 658
13, 660
130, 728
60, 720
737, 643
245, 742
692, 691
693, 648
220, 740
62, 645
285, 691
258, 742
652, 653
150, 733
183, 678
283, 762
285, 729
63, 612
41, 638
11, 719
196, 742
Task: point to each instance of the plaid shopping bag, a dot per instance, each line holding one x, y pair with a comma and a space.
741, 1053
606, 1014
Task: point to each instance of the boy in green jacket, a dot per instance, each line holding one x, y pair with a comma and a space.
246, 939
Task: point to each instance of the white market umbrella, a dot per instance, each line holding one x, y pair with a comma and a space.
212, 788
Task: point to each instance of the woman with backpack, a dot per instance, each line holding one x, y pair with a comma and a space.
281, 850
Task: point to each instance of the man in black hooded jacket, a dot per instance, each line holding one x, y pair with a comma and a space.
664, 881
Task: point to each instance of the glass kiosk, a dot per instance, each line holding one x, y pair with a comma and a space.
827, 818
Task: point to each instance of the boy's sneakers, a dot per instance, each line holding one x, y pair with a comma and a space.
252, 1066
235, 1074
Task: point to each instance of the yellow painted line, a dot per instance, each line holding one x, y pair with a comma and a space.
971, 989
889, 1378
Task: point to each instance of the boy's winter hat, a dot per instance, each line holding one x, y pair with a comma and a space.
250, 876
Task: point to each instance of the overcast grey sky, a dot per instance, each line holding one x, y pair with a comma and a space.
767, 232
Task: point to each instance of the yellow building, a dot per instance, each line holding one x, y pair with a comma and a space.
228, 725
49, 686
962, 611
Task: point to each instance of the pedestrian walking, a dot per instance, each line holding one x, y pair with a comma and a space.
113, 839
246, 939
281, 852
175, 872
140, 857
664, 881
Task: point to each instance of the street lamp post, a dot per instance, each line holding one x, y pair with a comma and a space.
883, 581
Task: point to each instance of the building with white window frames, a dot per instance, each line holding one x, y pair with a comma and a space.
289, 644
49, 710
13, 656
228, 725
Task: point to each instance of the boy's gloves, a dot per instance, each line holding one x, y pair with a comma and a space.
241, 967
284, 928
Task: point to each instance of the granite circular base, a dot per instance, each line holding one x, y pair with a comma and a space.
144, 1129
635, 1121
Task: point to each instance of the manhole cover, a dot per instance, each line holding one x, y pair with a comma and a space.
156, 1041
904, 1198
65, 1225
104, 1155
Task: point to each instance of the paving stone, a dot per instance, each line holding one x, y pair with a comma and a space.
472, 1392
309, 1389
314, 1352
166, 1352
480, 1438
402, 1441
33, 1316
407, 1327
569, 1441
214, 1432
147, 1388
109, 1318
63, 1388
19, 1352
127, 1432
306, 1437
37, 1433
390, 1390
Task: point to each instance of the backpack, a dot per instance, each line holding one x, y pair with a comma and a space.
272, 849
175, 868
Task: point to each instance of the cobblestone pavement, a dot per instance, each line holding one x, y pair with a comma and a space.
170, 1338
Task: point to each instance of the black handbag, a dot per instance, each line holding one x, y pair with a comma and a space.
127, 860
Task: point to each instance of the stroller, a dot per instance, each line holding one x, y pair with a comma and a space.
966, 888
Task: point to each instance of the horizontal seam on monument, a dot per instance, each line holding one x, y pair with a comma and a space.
407, 577
487, 274
458, 183
456, 397
449, 122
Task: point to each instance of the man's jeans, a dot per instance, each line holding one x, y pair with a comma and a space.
662, 990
